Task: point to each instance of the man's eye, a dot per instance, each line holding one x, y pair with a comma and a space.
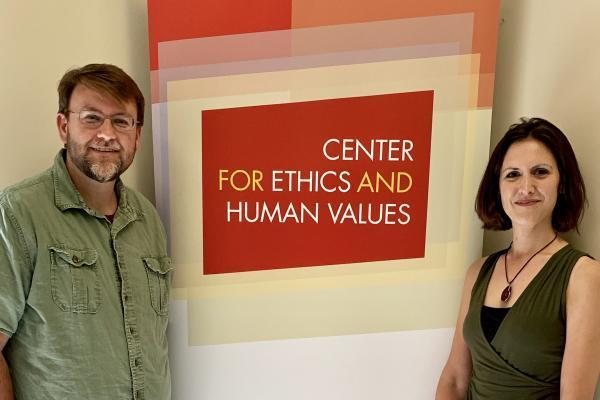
121, 122
92, 119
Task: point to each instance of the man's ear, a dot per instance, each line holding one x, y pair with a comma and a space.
138, 136
61, 125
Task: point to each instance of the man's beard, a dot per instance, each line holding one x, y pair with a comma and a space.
100, 171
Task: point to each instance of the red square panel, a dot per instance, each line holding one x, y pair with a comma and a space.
316, 183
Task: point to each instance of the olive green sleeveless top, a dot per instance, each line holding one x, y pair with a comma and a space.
524, 359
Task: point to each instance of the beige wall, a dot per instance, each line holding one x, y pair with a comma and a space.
548, 66
39, 41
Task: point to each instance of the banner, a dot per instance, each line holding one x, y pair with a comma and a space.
316, 166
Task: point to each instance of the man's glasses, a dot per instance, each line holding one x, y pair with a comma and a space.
95, 119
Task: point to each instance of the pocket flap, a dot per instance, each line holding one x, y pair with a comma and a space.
75, 257
160, 265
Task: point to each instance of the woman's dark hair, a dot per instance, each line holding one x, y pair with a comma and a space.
571, 198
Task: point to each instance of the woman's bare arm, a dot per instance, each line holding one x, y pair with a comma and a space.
581, 361
456, 374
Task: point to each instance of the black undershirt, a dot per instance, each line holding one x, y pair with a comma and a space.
491, 318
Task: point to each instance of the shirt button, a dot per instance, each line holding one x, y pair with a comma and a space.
131, 330
75, 259
137, 362
126, 298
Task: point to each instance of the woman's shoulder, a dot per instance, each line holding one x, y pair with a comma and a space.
587, 268
585, 277
481, 266
484, 262
474, 270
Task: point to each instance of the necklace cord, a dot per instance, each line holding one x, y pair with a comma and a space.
527, 262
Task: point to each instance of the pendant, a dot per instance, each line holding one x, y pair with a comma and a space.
506, 294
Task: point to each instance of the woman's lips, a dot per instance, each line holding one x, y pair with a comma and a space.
528, 202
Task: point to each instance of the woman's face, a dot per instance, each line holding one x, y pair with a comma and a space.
529, 180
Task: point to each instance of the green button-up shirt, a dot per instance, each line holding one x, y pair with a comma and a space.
84, 301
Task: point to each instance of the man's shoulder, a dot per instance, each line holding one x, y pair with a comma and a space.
137, 200
144, 211
141, 204
28, 190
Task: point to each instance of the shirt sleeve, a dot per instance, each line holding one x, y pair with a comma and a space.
15, 271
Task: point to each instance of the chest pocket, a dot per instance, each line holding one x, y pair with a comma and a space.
74, 279
159, 272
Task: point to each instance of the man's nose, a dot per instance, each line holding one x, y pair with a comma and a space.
107, 131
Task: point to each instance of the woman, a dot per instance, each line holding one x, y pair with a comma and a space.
528, 325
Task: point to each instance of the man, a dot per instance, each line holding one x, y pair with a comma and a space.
84, 276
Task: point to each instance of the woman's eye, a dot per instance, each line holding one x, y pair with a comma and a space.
512, 174
541, 172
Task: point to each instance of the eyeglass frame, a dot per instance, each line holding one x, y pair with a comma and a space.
104, 117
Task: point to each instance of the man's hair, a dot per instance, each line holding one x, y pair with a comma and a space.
571, 197
104, 78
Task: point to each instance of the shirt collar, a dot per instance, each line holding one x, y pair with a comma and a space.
66, 195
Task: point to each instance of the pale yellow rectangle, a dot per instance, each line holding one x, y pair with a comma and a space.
342, 299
